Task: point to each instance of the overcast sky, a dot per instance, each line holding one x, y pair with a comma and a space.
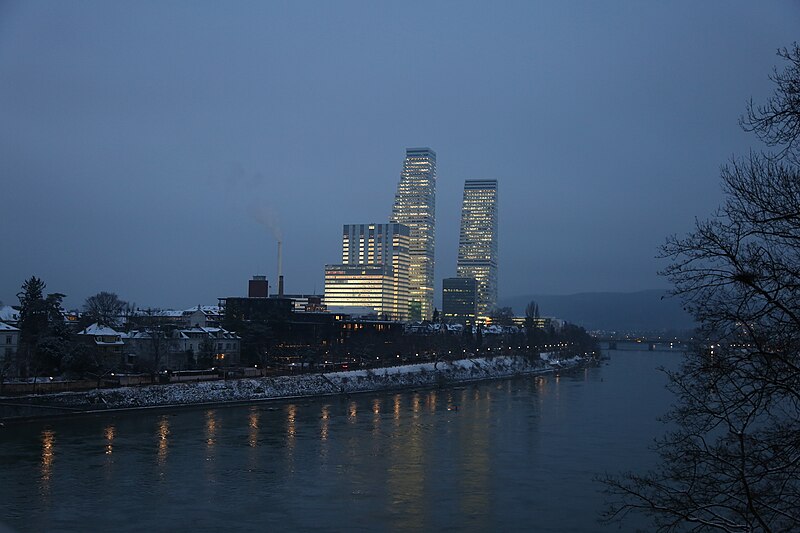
147, 147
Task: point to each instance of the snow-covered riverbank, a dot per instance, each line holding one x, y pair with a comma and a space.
306, 385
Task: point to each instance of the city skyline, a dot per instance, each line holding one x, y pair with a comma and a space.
141, 156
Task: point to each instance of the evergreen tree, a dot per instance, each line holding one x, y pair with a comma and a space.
44, 337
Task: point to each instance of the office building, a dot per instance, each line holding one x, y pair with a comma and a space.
415, 206
477, 244
374, 272
359, 287
459, 300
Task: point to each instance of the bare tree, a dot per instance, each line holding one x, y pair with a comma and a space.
732, 463
105, 308
157, 341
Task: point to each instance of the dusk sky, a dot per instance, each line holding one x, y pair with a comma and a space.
153, 149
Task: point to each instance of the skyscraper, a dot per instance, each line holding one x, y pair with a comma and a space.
374, 270
415, 206
477, 244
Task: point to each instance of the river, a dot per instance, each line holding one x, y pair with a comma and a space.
509, 455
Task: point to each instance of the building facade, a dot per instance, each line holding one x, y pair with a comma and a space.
459, 300
386, 245
477, 243
361, 286
415, 206
9, 340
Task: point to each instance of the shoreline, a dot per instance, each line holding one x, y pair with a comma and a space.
246, 391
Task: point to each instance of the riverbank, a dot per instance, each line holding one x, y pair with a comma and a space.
280, 388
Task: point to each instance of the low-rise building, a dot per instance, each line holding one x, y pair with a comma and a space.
305, 302
203, 316
183, 348
105, 339
9, 340
222, 346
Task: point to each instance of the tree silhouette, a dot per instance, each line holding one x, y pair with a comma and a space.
732, 463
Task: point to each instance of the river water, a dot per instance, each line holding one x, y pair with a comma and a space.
510, 455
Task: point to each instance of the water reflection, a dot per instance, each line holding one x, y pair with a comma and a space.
163, 433
325, 422
376, 425
252, 424
211, 428
406, 461
48, 455
396, 408
406, 473
291, 435
376, 406
415, 404
474, 459
109, 434
432, 401
291, 424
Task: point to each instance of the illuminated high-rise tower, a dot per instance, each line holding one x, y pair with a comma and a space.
415, 206
477, 243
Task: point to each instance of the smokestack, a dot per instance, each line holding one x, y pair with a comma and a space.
280, 269
280, 259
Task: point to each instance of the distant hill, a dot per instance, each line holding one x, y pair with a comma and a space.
623, 311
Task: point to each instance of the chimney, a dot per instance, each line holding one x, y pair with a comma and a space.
280, 269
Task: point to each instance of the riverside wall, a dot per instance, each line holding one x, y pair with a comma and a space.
297, 386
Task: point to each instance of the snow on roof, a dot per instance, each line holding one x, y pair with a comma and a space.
96, 329
208, 309
7, 327
159, 312
8, 314
215, 333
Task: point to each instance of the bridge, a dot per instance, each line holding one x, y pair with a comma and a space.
644, 344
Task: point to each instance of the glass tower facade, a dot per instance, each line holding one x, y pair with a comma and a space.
374, 271
415, 206
459, 300
477, 244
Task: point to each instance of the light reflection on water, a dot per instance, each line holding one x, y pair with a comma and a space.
163, 442
291, 435
211, 428
501, 455
324, 422
109, 434
252, 437
48, 455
